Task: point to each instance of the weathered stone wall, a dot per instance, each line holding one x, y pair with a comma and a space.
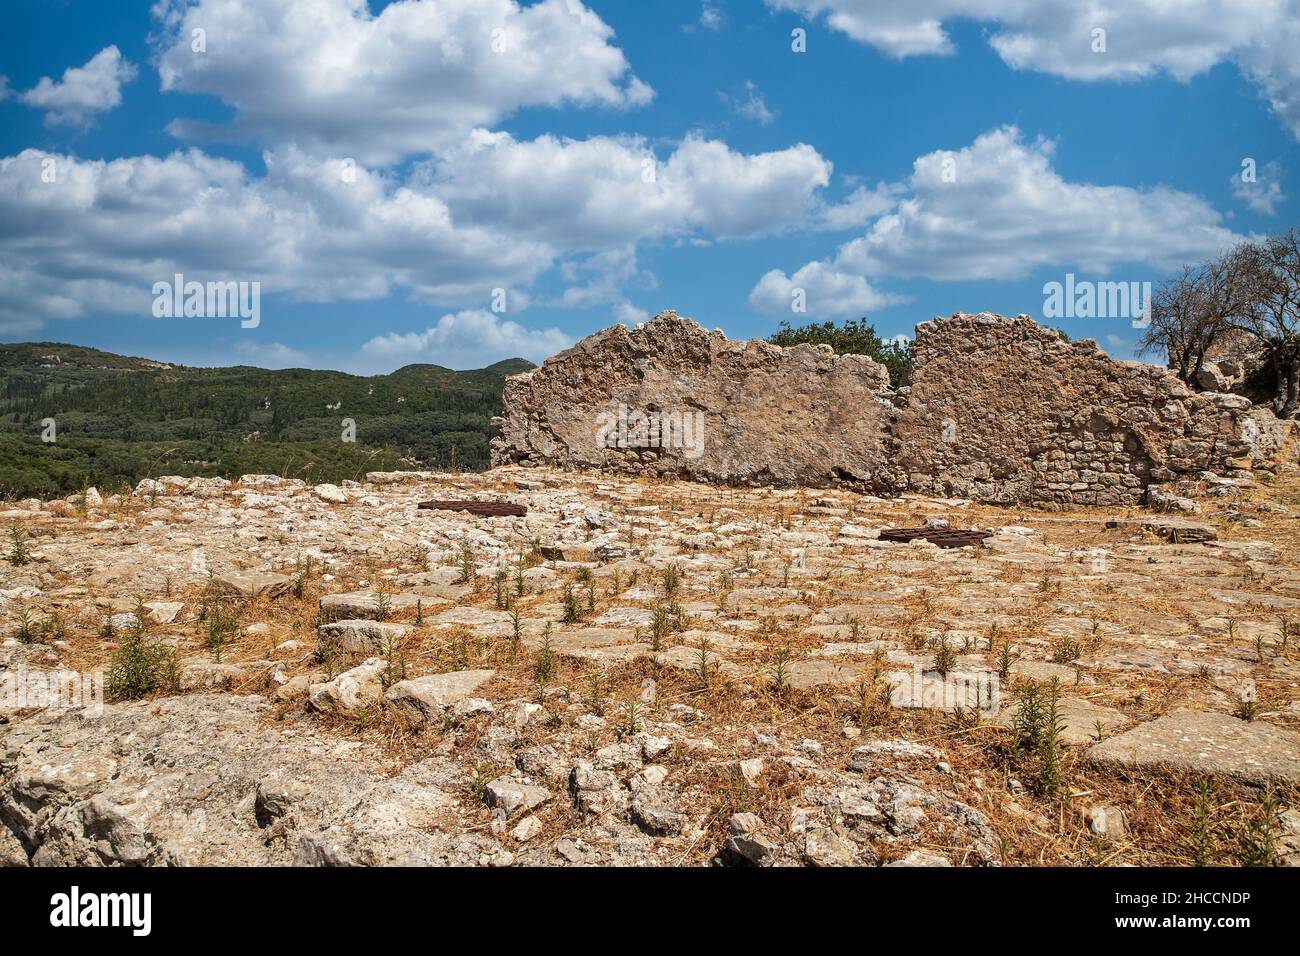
1006, 410
999, 410
750, 412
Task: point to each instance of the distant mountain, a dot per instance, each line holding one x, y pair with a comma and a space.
117, 419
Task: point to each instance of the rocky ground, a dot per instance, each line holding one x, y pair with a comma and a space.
649, 673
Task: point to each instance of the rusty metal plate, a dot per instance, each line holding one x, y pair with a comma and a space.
481, 509
943, 537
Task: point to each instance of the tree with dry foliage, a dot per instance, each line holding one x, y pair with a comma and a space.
1272, 313
1251, 289
1197, 307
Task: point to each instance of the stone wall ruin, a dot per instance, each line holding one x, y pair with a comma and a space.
996, 409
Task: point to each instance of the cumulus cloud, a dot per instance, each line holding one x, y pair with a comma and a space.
825, 292
92, 236
733, 195
1264, 194
603, 279
1006, 212
861, 206
469, 339
997, 209
84, 92
607, 191
1142, 37
332, 78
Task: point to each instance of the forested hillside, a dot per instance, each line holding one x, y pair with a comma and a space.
118, 419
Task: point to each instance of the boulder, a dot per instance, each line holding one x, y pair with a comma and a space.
359, 687
251, 584
512, 796
331, 493
361, 636
424, 697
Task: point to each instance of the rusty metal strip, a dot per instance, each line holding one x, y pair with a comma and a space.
481, 509
943, 537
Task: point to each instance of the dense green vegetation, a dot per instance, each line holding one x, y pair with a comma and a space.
854, 337
120, 419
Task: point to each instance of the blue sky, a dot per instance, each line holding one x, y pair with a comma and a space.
381, 171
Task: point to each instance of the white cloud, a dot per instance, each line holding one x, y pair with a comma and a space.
1182, 38
605, 192
493, 213
628, 314
710, 16
734, 195
330, 77
95, 239
607, 275
84, 91
827, 293
469, 339
1003, 213
272, 354
862, 206
750, 105
1271, 61
1008, 212
1263, 195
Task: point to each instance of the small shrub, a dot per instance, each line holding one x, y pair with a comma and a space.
633, 725
672, 580
544, 668
1051, 774
1258, 841
54, 627
223, 627
140, 667
572, 605
26, 631
1246, 709
1027, 725
394, 663
704, 665
946, 658
516, 632
1007, 658
383, 604
781, 671
1202, 835
1066, 650
502, 580
19, 551
467, 569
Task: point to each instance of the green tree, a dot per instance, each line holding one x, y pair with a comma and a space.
853, 337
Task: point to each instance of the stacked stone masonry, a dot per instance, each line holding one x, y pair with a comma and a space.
997, 409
